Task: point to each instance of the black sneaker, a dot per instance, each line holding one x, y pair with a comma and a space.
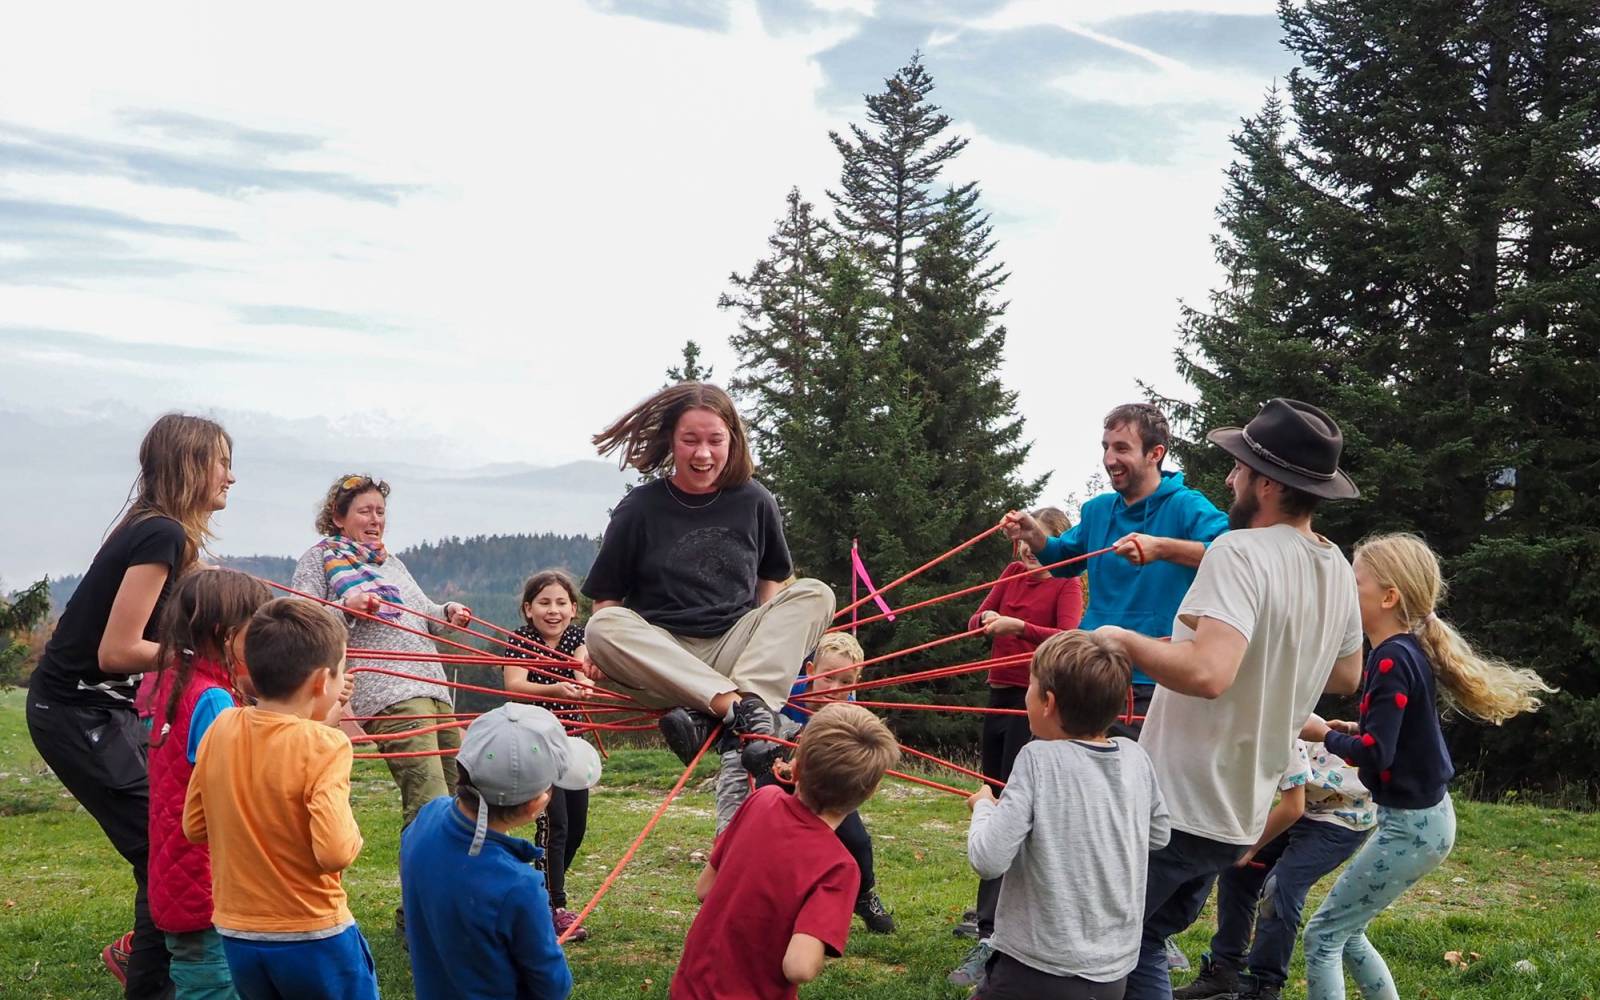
1217, 981
759, 756
751, 717
685, 731
968, 926
870, 909
1251, 988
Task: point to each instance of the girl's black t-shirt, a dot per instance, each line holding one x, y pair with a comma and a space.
690, 563
70, 666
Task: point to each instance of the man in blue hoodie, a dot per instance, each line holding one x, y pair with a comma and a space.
1159, 529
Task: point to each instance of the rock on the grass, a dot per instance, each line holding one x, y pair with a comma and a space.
1525, 966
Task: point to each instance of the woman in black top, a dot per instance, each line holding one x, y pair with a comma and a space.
81, 696
691, 609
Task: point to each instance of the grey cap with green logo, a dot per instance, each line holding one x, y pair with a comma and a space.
517, 752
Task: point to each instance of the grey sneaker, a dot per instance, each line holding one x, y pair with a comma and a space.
1217, 981
1177, 961
971, 970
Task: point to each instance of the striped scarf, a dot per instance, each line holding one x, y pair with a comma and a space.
348, 566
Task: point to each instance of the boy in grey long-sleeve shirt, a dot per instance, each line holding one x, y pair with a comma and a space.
1070, 835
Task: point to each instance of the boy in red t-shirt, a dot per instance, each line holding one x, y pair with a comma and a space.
763, 929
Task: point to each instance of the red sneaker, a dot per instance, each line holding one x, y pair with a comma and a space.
566, 918
115, 956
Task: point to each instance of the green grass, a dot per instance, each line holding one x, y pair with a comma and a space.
1520, 885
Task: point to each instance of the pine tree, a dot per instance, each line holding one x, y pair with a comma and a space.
869, 353
885, 203
690, 370
779, 304
1417, 249
952, 351
21, 619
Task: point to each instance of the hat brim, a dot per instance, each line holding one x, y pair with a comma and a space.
583, 766
1231, 440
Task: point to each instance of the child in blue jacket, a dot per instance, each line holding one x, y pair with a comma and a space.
477, 915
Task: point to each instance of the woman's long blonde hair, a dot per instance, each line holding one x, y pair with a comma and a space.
176, 459
1483, 687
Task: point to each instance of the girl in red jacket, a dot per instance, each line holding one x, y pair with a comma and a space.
201, 629
1017, 616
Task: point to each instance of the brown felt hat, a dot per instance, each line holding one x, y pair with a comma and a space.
1293, 443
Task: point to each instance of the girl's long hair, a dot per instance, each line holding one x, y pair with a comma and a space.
176, 459
1477, 685
203, 612
644, 434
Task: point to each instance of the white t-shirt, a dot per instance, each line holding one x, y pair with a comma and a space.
1294, 600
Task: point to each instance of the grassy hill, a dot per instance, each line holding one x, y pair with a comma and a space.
1521, 885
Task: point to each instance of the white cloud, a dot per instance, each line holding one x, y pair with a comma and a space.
578, 187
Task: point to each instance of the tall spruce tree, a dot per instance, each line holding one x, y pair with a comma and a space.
868, 366
780, 303
953, 347
1417, 248
885, 203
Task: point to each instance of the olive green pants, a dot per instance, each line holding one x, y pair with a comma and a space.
421, 779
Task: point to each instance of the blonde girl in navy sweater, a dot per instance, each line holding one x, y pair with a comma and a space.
1401, 753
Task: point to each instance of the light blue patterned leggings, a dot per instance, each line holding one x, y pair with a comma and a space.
1408, 844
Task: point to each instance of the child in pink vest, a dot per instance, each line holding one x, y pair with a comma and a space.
201, 628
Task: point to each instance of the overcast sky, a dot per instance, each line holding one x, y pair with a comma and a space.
483, 230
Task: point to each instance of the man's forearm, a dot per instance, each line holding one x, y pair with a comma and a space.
1183, 667
1182, 551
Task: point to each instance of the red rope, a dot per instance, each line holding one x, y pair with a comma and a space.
405, 734
975, 539
411, 655
933, 674
428, 635
952, 765
977, 587
520, 696
917, 706
405, 754
891, 772
521, 639
633, 848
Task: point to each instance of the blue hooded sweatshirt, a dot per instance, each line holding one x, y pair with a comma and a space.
477, 926
1144, 599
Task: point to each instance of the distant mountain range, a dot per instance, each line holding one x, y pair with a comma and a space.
64, 477
484, 572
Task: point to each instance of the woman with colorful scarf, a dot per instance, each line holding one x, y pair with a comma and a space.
350, 566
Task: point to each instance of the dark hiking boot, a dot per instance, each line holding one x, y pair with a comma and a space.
1217, 981
1251, 988
870, 909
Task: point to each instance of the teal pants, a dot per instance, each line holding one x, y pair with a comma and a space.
1408, 844
199, 967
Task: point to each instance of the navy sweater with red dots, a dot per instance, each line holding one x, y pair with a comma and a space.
1400, 751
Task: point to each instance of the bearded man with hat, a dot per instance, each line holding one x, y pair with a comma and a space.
1270, 623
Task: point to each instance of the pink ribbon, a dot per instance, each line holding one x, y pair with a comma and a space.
860, 570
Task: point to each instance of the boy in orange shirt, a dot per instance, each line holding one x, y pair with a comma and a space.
271, 794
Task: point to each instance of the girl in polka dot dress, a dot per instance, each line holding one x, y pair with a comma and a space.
1400, 751
549, 605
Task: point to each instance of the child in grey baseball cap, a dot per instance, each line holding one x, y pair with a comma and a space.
477, 912
516, 754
